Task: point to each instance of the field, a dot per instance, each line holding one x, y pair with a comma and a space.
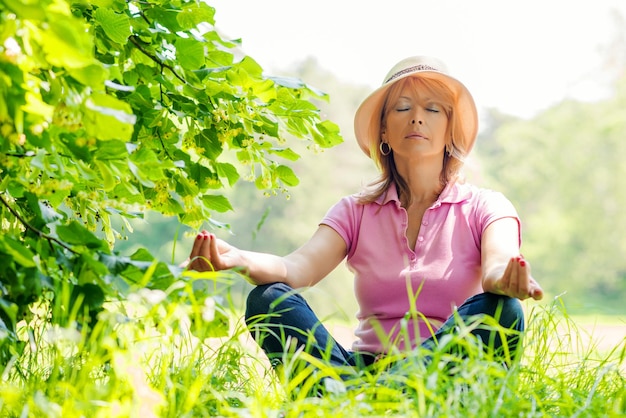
602, 332
156, 357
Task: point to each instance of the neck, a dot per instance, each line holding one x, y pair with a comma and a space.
423, 179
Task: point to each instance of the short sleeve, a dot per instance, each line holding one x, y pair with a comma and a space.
492, 206
345, 218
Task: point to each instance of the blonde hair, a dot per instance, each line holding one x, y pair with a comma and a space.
456, 147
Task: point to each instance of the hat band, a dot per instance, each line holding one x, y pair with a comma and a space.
421, 67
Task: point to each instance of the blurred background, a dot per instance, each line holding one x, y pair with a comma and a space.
549, 78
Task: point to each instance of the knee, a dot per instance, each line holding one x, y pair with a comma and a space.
263, 298
508, 311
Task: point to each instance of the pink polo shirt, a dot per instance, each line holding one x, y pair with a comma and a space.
439, 275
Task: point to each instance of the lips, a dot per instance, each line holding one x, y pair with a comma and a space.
416, 135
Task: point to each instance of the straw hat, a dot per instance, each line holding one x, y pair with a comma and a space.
368, 116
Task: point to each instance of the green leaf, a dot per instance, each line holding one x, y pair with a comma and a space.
66, 43
149, 164
26, 11
228, 171
116, 264
218, 203
286, 153
111, 150
297, 84
20, 254
80, 150
190, 53
143, 268
329, 134
264, 90
195, 13
251, 66
115, 25
48, 214
183, 186
92, 75
287, 176
108, 118
76, 234
103, 3
207, 140
10, 309
166, 17
125, 191
108, 179
140, 175
42, 212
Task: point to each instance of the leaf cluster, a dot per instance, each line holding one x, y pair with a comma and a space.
109, 108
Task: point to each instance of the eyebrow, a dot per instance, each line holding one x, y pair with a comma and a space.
421, 99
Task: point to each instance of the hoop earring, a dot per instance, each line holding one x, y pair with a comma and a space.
385, 149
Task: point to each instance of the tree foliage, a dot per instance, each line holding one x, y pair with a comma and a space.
109, 108
564, 170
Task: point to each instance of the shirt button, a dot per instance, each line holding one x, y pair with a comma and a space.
420, 238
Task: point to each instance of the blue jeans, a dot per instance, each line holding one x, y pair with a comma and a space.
280, 319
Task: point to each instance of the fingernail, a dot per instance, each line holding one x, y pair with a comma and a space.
205, 237
199, 237
522, 263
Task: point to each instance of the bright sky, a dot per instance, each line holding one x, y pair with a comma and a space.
517, 56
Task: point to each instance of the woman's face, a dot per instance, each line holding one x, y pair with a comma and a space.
416, 123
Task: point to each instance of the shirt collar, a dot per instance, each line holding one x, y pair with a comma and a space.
454, 192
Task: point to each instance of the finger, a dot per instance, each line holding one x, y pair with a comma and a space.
506, 277
202, 259
215, 255
513, 289
205, 252
195, 250
536, 292
523, 287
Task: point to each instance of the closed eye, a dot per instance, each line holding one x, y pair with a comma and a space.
433, 107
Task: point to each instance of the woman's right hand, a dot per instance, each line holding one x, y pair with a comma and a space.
302, 268
212, 254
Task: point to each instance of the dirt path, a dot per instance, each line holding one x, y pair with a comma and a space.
604, 337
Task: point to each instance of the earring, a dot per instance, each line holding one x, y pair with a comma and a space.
385, 149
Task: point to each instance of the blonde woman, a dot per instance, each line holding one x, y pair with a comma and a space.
418, 240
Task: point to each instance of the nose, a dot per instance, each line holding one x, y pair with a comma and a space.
417, 116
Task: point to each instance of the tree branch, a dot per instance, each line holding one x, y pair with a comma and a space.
33, 229
135, 42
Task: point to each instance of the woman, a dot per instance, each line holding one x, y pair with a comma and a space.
426, 249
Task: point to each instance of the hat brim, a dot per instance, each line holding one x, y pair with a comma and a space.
368, 116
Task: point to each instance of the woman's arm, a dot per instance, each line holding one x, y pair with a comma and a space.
505, 271
305, 266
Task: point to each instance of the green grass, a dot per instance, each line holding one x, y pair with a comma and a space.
157, 355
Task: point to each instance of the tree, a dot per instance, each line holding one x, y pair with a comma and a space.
279, 223
564, 171
110, 108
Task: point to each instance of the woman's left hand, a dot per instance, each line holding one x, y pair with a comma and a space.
517, 282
